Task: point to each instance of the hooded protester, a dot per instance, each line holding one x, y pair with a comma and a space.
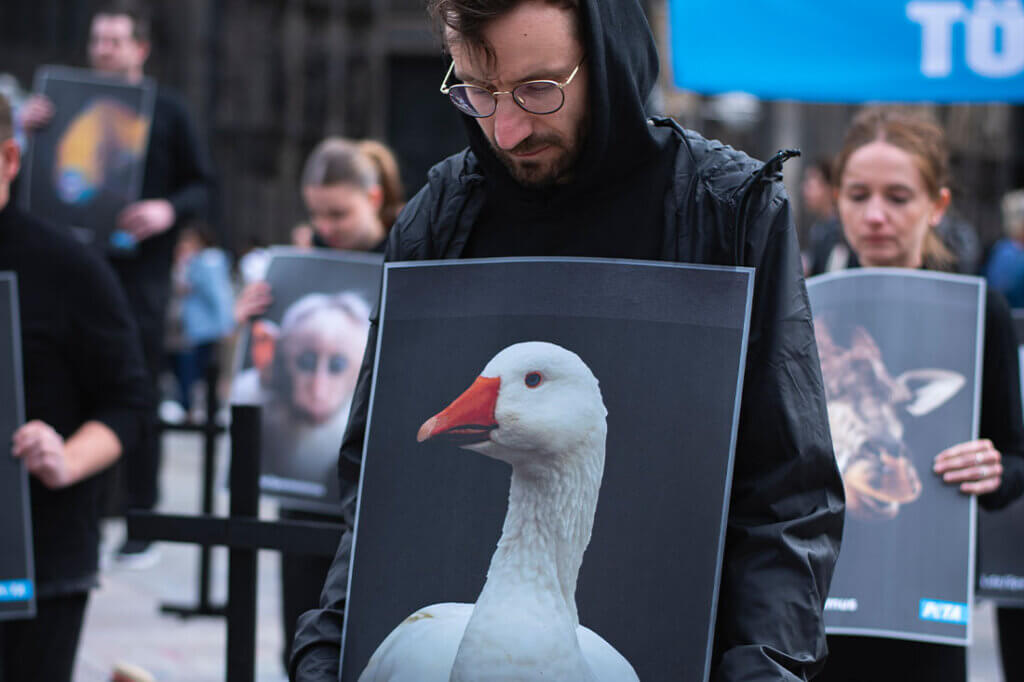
563, 161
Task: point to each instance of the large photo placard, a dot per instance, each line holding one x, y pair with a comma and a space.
1001, 532
556, 365
300, 362
17, 581
901, 361
87, 163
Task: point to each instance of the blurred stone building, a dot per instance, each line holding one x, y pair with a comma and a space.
267, 79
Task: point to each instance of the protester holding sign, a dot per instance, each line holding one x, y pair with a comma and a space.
892, 190
85, 400
563, 161
353, 192
177, 185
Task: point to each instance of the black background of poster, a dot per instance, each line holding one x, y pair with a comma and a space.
293, 273
1001, 534
71, 91
924, 553
15, 515
431, 514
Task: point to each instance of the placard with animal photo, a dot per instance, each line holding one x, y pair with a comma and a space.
88, 162
1001, 533
562, 405
901, 361
17, 574
300, 361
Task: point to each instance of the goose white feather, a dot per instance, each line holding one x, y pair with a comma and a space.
538, 407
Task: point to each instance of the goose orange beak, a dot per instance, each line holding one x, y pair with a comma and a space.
470, 417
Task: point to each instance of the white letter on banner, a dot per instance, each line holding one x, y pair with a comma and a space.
982, 26
937, 20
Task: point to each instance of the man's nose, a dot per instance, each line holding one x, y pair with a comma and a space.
512, 125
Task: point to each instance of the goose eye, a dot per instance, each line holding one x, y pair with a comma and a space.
533, 380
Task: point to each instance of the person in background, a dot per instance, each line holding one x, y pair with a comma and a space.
1005, 267
353, 192
85, 401
825, 236
177, 186
892, 192
202, 275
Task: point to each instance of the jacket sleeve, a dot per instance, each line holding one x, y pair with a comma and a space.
1001, 401
786, 508
108, 362
193, 180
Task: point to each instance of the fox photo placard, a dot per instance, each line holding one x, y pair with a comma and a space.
585, 413
300, 361
17, 575
87, 163
901, 361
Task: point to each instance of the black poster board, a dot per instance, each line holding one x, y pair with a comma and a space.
88, 163
17, 574
308, 348
666, 343
901, 360
1001, 533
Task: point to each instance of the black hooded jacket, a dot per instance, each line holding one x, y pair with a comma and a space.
649, 189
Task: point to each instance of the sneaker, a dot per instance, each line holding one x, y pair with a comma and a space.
171, 412
137, 554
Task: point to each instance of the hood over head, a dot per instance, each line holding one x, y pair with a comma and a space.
621, 63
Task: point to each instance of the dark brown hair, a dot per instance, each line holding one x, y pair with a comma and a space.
132, 9
469, 18
919, 135
6, 120
365, 164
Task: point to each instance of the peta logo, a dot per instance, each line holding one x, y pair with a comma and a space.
943, 612
15, 590
994, 36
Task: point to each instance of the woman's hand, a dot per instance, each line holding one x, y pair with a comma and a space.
42, 450
976, 465
254, 300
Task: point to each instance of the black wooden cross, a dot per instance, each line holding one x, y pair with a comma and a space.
244, 534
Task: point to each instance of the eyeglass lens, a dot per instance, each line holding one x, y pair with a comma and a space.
536, 97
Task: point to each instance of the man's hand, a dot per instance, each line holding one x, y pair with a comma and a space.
148, 218
976, 465
36, 113
42, 450
253, 300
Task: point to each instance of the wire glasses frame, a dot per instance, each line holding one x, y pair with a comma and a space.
535, 97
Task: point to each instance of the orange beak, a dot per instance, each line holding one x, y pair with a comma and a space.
469, 419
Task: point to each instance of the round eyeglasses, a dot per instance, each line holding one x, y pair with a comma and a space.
535, 97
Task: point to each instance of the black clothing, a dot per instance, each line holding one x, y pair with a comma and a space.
178, 169
857, 658
1011, 635
81, 363
44, 647
703, 202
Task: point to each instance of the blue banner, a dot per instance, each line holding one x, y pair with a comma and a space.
873, 50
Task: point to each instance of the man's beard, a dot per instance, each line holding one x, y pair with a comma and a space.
543, 174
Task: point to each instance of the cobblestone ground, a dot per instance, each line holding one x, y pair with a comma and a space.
124, 623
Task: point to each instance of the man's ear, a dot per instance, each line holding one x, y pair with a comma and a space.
376, 196
144, 47
11, 154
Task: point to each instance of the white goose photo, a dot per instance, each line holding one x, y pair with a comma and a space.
538, 407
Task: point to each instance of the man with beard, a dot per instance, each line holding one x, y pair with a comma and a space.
563, 161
